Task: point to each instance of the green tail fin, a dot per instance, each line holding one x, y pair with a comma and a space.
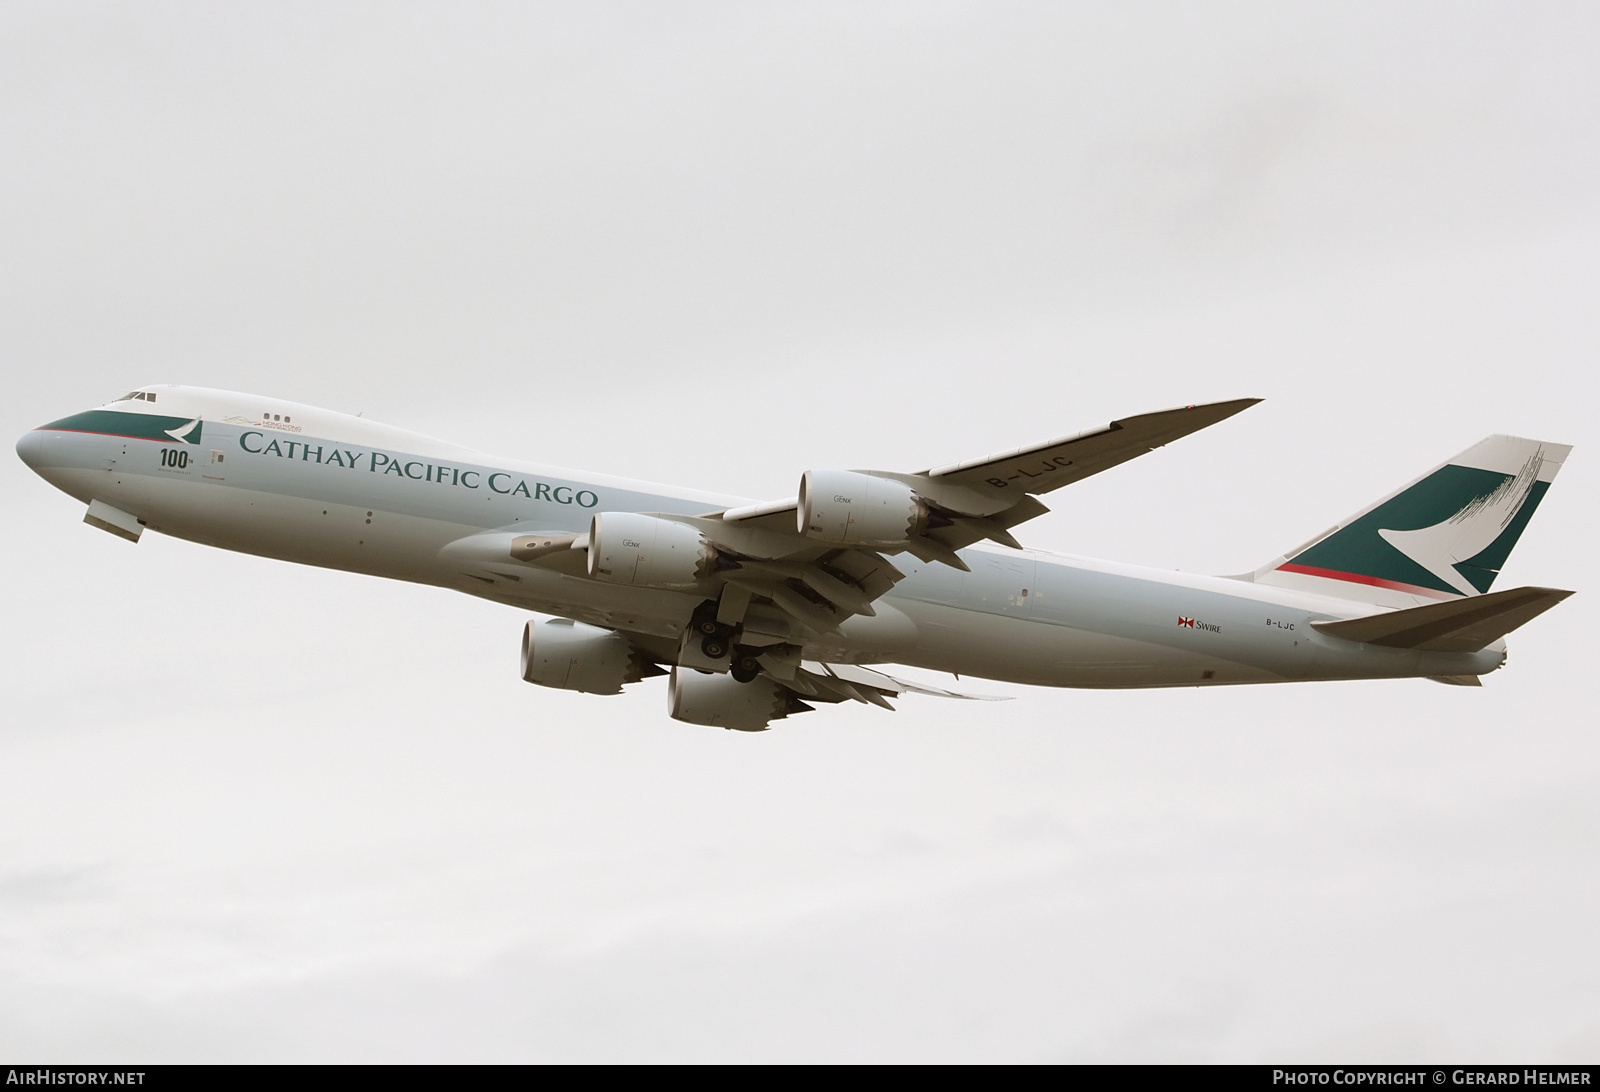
1445, 535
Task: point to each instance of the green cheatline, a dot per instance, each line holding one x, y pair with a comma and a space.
139, 426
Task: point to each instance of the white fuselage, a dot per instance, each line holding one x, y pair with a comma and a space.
302, 484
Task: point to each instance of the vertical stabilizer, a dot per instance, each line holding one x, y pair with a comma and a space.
1443, 536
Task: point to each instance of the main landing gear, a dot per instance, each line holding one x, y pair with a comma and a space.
745, 667
716, 639
714, 636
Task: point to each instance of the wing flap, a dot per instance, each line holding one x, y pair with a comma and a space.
1456, 680
1462, 625
857, 682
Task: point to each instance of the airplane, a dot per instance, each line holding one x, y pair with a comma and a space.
759, 611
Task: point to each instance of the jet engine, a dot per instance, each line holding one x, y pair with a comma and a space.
569, 655
851, 509
721, 701
648, 552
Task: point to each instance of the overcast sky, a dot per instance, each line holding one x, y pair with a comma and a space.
258, 812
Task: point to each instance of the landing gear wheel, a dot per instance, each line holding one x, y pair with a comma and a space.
745, 669
704, 620
715, 648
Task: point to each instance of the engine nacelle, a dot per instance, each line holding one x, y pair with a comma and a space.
648, 552
722, 701
858, 509
572, 656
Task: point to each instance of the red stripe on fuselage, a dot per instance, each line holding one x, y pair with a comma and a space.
113, 435
1359, 578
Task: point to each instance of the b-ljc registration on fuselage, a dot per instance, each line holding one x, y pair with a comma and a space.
760, 611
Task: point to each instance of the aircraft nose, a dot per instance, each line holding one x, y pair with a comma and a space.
30, 449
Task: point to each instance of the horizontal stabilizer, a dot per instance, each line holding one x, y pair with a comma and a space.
1461, 625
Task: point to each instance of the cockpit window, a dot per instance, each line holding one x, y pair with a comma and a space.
137, 396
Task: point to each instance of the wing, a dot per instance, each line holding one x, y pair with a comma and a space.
1042, 467
777, 581
785, 586
984, 498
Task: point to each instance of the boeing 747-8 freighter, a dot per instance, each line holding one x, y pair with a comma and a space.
756, 611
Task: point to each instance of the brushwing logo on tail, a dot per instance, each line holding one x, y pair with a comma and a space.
1446, 535
1459, 539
